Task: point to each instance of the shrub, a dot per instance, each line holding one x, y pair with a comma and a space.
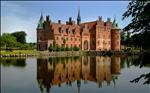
67, 48
75, 48
50, 48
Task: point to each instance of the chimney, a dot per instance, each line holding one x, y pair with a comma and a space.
47, 18
59, 21
70, 20
108, 19
66, 22
100, 18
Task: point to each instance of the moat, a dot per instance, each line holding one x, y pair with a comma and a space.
84, 74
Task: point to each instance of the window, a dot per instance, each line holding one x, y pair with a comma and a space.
75, 39
93, 42
57, 38
98, 42
71, 39
93, 35
59, 29
103, 36
67, 30
73, 31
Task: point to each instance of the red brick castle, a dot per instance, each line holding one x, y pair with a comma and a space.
96, 35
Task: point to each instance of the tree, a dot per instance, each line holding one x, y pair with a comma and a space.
139, 11
8, 40
20, 36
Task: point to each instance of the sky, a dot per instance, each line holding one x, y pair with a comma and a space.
24, 15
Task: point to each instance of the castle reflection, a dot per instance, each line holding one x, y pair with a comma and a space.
55, 71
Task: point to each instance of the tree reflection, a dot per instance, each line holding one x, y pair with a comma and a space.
142, 61
13, 62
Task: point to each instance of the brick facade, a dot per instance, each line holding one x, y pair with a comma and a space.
97, 35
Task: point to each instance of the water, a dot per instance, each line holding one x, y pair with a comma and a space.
84, 74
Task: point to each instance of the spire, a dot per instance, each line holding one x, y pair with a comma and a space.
41, 21
115, 24
78, 84
78, 17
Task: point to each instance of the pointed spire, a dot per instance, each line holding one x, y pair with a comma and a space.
78, 17
41, 21
115, 24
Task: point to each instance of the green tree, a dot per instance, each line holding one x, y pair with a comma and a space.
139, 11
8, 40
20, 36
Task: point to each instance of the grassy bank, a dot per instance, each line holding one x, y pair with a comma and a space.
18, 52
25, 53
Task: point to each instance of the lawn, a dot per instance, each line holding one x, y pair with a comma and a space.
4, 52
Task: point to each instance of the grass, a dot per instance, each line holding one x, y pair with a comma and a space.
4, 52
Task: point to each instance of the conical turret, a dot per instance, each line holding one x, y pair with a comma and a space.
40, 23
78, 17
115, 24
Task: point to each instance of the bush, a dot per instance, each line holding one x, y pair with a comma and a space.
62, 48
67, 49
57, 48
50, 48
75, 48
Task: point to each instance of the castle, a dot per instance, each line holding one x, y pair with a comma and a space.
96, 35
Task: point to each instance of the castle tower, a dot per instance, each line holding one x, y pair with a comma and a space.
78, 17
115, 36
40, 32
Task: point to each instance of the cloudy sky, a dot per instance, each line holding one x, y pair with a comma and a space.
24, 15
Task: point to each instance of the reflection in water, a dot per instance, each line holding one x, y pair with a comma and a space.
55, 71
142, 61
13, 62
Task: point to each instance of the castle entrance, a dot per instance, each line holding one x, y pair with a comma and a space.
85, 45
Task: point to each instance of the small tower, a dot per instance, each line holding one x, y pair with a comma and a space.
40, 32
78, 17
115, 36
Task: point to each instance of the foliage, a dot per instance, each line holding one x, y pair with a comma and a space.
139, 11
13, 62
3, 52
20, 36
142, 61
75, 48
9, 42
